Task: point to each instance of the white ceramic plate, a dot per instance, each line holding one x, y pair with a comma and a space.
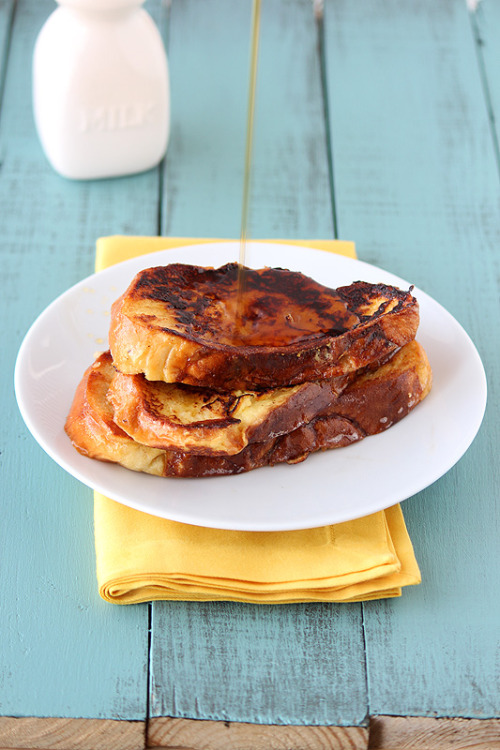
329, 487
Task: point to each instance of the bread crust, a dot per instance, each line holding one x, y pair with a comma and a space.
175, 416
176, 338
93, 431
370, 404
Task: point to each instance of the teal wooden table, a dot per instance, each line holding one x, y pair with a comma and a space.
377, 122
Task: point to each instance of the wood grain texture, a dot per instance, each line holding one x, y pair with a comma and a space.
251, 663
71, 734
63, 651
412, 733
417, 189
213, 735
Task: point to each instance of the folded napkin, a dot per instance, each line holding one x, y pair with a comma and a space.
142, 558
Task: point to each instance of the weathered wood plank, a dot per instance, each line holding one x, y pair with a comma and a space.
417, 189
485, 23
412, 733
64, 652
215, 735
71, 734
269, 664
288, 664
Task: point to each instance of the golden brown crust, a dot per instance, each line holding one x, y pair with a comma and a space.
370, 404
379, 398
175, 416
92, 430
319, 332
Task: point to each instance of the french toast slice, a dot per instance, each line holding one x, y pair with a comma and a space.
190, 324
175, 416
370, 404
93, 431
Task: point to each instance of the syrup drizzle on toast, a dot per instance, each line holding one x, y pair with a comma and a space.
254, 53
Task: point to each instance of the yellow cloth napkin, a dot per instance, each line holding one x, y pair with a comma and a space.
115, 249
142, 558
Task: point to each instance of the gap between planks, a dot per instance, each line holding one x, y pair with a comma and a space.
384, 733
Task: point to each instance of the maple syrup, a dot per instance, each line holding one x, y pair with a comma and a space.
272, 307
254, 55
279, 307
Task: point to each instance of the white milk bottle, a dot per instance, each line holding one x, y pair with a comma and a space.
101, 93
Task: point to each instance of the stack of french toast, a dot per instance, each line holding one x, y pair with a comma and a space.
217, 371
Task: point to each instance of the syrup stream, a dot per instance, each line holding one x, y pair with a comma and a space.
254, 49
